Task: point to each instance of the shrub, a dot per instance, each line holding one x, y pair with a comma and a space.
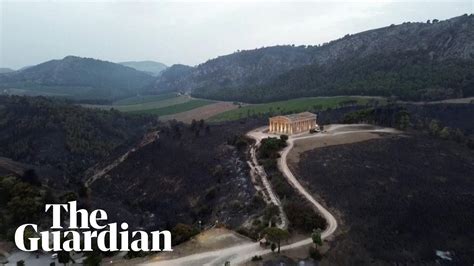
270, 147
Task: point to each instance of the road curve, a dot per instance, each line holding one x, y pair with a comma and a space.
240, 254
283, 166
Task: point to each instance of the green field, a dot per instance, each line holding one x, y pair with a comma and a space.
162, 104
148, 105
291, 106
177, 108
145, 99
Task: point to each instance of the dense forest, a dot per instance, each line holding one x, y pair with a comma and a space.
412, 75
63, 136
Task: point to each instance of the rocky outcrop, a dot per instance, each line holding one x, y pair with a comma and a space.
248, 71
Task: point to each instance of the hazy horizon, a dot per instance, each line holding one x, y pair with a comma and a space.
190, 32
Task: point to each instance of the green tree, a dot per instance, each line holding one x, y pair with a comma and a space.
402, 119
434, 127
316, 236
445, 133
273, 247
276, 235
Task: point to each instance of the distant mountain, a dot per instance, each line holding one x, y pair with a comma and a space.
236, 70
5, 70
77, 77
25, 67
172, 79
413, 61
151, 67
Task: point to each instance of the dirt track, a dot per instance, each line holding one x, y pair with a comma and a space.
239, 254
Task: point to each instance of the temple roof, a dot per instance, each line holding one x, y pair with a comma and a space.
298, 116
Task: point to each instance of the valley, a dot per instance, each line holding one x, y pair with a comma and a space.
147, 178
354, 151
185, 108
159, 105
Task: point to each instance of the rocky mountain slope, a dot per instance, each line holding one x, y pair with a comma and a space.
172, 79
268, 73
78, 76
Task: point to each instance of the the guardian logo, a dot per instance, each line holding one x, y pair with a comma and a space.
92, 229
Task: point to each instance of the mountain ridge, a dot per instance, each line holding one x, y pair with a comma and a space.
5, 70
246, 72
75, 76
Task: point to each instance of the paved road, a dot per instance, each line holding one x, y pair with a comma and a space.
242, 253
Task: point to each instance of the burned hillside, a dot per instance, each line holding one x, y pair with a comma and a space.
401, 198
189, 174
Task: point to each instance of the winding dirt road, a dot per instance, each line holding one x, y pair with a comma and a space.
242, 253
260, 172
283, 166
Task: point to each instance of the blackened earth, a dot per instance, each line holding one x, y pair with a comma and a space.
400, 199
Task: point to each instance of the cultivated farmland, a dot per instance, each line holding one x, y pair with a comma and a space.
293, 106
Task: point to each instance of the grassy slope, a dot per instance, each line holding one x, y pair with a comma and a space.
289, 106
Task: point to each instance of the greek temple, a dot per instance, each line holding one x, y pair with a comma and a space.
293, 123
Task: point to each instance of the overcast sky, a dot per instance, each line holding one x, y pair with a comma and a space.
190, 32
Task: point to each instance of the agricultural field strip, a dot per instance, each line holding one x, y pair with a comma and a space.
145, 106
293, 106
145, 99
176, 108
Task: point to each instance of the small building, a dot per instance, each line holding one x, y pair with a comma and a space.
292, 124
